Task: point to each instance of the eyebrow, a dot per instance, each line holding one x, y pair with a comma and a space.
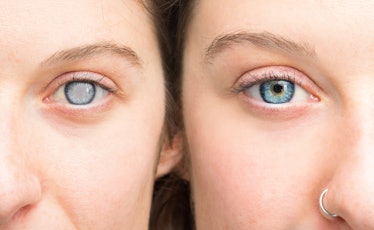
87, 51
263, 40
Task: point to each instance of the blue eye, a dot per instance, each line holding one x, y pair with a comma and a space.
80, 93
277, 92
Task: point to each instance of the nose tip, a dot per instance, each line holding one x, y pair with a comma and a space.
356, 210
349, 194
17, 191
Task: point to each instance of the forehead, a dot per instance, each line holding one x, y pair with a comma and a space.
259, 13
343, 23
44, 27
91, 13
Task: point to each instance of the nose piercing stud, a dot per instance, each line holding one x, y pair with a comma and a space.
323, 210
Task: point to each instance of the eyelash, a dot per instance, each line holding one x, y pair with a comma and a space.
262, 78
85, 77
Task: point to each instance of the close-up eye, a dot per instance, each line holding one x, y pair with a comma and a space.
276, 86
277, 92
80, 89
80, 92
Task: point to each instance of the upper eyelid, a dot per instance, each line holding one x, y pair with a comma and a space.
85, 77
268, 73
78, 76
264, 78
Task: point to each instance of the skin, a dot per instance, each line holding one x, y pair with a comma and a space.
261, 166
90, 166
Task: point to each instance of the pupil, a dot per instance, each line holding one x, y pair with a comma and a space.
278, 88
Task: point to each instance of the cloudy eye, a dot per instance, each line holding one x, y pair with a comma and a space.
277, 92
80, 93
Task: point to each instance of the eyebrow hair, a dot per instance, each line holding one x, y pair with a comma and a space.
263, 40
86, 51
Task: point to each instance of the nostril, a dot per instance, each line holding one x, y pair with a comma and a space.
11, 205
18, 195
21, 212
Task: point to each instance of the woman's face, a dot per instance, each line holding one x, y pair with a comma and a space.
278, 106
82, 110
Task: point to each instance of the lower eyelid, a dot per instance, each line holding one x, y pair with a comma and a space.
78, 114
78, 111
276, 112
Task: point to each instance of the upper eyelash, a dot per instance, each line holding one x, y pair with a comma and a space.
259, 79
89, 79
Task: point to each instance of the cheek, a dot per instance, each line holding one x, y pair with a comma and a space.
103, 170
244, 169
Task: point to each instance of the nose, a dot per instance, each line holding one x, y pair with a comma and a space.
19, 189
351, 187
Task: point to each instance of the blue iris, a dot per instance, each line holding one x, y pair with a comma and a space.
277, 92
79, 92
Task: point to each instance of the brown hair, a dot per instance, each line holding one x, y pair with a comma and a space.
159, 11
171, 198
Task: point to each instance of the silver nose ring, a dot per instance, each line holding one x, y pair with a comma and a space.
323, 210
